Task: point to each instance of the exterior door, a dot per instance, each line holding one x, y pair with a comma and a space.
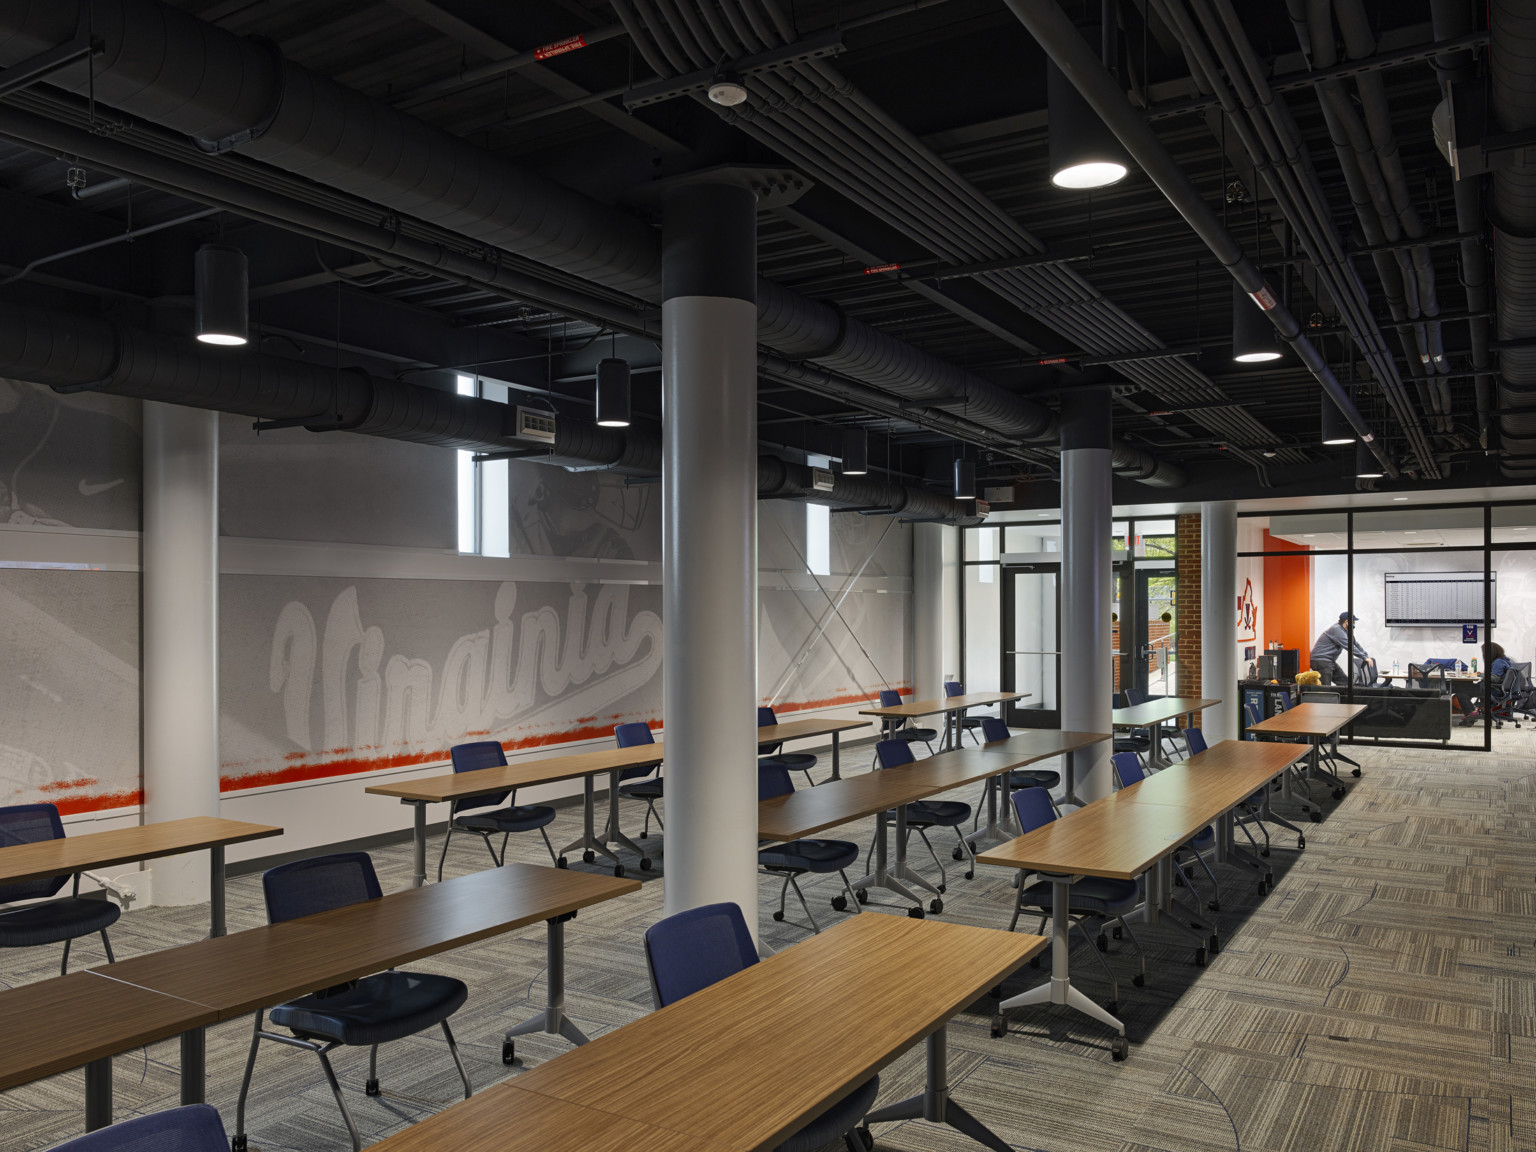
1152, 639
1031, 620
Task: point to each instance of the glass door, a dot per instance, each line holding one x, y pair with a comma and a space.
1152, 626
1031, 619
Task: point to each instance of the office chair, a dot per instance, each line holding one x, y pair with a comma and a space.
632, 735
794, 761
67, 918
992, 730
194, 1128
1323, 696
1254, 715
890, 698
1091, 898
1425, 676
1137, 740
965, 723
1508, 697
373, 1010
797, 857
925, 814
513, 818
687, 952
1128, 771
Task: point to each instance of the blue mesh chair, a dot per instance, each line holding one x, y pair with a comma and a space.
630, 735
374, 1010
513, 818
691, 950
910, 732
1128, 771
1091, 898
925, 814
965, 723
794, 761
993, 729
797, 857
65, 919
194, 1128
1137, 740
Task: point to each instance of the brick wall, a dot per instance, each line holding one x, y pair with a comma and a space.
1187, 610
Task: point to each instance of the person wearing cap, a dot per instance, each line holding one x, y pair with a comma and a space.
1328, 647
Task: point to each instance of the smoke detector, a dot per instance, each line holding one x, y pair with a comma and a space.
727, 90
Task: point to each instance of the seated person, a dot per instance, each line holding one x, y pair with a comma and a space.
1327, 648
1498, 665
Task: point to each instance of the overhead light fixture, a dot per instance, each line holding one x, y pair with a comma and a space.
855, 452
1335, 429
1084, 153
727, 89
1399, 498
1253, 336
613, 393
1367, 467
965, 479
221, 295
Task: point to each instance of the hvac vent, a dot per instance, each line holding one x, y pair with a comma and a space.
822, 479
535, 424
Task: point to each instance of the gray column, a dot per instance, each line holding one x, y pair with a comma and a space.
928, 607
709, 545
1087, 674
180, 653
1218, 618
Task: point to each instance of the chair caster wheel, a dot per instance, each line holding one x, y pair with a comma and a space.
863, 895
1102, 942
1262, 889
371, 1088
943, 887
588, 856
1199, 957
1301, 842
508, 1052
935, 906
1120, 1049
1118, 933
778, 915
956, 854
1139, 980
970, 873
1215, 944
1317, 815
645, 835
1214, 905
996, 992
999, 1026
1034, 962
618, 870
562, 863
1338, 793
839, 903
645, 863
1355, 773
915, 913
1265, 853
238, 1143
866, 1139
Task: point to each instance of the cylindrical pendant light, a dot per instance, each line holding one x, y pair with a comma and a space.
613, 393
221, 294
965, 479
1367, 467
1336, 429
855, 452
1253, 336
1084, 153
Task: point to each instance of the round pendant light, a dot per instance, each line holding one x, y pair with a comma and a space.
1336, 429
965, 479
1084, 153
613, 393
1253, 336
855, 452
221, 295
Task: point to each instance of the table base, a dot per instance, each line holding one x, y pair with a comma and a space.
891, 876
552, 1019
936, 1104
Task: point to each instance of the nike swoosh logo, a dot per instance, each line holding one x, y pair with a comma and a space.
93, 489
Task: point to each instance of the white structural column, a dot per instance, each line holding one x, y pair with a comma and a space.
709, 545
928, 609
1087, 582
181, 633
1218, 618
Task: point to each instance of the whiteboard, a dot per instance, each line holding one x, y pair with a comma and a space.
1415, 599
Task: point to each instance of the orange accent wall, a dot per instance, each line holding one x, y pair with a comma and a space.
1287, 614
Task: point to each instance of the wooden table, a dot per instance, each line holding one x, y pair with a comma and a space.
951, 706
1315, 722
845, 1003
144, 842
1152, 714
805, 729
1133, 833
1043, 740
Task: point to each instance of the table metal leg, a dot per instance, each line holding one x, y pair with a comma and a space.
1155, 759
936, 1104
588, 843
98, 1094
553, 1019
419, 843
882, 876
194, 1065
612, 834
994, 828
216, 889
837, 758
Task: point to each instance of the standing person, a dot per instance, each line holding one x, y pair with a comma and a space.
1327, 648
1498, 665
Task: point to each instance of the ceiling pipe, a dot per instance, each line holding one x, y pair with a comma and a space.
1051, 27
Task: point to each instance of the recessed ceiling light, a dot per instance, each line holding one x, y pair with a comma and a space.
1399, 497
1518, 529
1411, 532
1309, 535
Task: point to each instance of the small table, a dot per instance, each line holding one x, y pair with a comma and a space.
805, 729
1044, 743
1316, 722
1152, 714
951, 706
143, 842
845, 1002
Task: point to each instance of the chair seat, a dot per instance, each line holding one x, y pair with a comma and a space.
1132, 743
794, 761
523, 818
842, 1117
917, 735
937, 813
1093, 894
1033, 778
642, 790
1205, 838
376, 1010
56, 920
810, 855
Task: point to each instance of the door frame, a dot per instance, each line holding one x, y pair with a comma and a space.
1016, 713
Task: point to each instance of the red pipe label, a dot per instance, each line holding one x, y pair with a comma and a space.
1264, 298
559, 47
882, 268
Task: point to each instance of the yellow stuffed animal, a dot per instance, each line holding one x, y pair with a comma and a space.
1311, 678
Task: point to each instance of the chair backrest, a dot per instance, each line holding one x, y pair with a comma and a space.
1134, 696
1194, 740
1033, 808
473, 757
633, 734
1421, 673
993, 729
954, 688
773, 780
890, 698
891, 753
30, 824
318, 884
765, 715
1316, 696
1253, 711
1128, 768
193, 1128
695, 949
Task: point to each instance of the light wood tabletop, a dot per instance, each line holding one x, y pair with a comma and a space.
260, 967
1110, 838
459, 785
948, 704
845, 1002
1311, 720
1157, 711
122, 845
804, 729
1217, 779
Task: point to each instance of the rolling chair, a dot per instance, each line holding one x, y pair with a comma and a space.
1136, 740
925, 814
1253, 714
373, 1010
797, 857
67, 918
1092, 898
890, 698
1128, 771
963, 722
631, 735
194, 1128
1511, 697
687, 952
1194, 741
1427, 676
1331, 751
794, 761
513, 818
992, 730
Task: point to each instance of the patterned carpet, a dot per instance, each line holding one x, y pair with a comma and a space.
1381, 998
